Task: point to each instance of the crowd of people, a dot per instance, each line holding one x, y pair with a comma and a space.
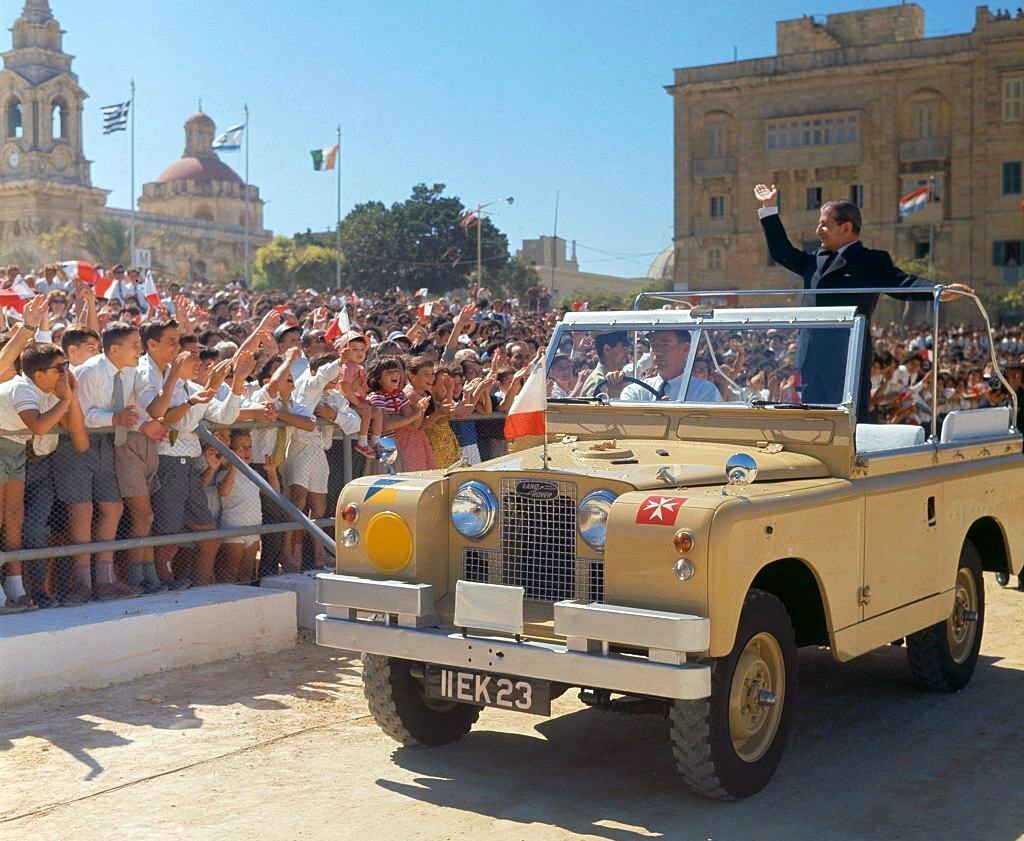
104, 403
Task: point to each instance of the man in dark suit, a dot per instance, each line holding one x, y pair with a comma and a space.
842, 262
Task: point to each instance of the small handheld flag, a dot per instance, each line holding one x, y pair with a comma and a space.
339, 327
326, 158
230, 140
526, 417
115, 117
150, 291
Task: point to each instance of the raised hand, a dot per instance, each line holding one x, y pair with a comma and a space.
218, 374
35, 311
768, 196
270, 322
245, 364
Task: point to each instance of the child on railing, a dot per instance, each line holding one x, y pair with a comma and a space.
240, 506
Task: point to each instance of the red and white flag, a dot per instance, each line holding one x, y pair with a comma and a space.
339, 326
470, 220
17, 295
80, 269
526, 417
424, 311
422, 292
914, 201
150, 291
580, 306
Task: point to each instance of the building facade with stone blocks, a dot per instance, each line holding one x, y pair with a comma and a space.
560, 274
859, 106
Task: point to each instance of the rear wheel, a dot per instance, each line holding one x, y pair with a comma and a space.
728, 745
400, 707
942, 658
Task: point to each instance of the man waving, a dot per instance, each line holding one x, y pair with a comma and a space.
842, 262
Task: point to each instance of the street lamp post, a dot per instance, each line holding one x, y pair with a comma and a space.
479, 247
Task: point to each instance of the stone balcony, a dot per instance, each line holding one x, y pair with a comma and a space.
801, 157
705, 226
711, 167
924, 149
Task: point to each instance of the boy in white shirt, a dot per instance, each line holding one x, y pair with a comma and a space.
274, 442
108, 393
40, 399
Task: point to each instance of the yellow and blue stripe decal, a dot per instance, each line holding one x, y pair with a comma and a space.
381, 491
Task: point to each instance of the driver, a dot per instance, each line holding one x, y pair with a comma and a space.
669, 350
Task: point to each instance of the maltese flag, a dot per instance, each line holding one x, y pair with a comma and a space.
526, 417
339, 327
17, 295
150, 291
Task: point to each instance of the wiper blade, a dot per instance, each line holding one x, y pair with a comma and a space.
783, 404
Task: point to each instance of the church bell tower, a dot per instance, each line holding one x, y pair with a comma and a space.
44, 177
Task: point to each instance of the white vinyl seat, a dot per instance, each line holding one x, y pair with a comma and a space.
965, 424
879, 437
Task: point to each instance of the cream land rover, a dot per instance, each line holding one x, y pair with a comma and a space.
673, 555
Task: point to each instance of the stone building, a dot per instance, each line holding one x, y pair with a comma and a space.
44, 176
560, 272
191, 217
858, 105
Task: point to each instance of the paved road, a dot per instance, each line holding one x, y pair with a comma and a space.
281, 747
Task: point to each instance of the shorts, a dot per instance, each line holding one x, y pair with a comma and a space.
136, 463
306, 465
86, 477
245, 540
12, 460
180, 502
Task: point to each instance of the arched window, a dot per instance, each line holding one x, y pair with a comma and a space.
12, 118
204, 214
714, 260
59, 127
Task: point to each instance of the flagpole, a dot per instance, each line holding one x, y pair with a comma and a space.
245, 201
931, 229
337, 233
131, 257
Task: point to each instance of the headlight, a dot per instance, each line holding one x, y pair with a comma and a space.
593, 517
474, 508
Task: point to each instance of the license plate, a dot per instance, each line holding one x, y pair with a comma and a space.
483, 689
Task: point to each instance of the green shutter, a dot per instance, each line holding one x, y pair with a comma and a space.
998, 252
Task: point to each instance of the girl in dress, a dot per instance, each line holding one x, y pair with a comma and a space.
402, 416
443, 442
240, 506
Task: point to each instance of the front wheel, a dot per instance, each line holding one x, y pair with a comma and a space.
728, 745
401, 709
942, 658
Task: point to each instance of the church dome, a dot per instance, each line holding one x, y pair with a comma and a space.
664, 264
199, 169
199, 162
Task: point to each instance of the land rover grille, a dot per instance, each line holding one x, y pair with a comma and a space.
538, 545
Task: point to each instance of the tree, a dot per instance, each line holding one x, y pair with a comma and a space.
64, 243
284, 265
418, 242
107, 241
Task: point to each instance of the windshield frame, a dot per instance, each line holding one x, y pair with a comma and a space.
699, 322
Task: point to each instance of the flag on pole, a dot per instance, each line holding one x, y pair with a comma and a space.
526, 417
580, 306
339, 327
422, 292
150, 292
230, 140
324, 158
914, 201
115, 117
470, 220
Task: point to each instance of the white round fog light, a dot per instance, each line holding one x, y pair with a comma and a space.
349, 538
684, 569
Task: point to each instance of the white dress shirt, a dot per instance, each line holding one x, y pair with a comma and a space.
265, 440
698, 391
96, 391
308, 392
20, 394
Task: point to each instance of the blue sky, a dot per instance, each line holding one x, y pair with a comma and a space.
491, 99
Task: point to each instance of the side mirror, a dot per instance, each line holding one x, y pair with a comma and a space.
740, 469
387, 453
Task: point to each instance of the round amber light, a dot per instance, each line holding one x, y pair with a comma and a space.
350, 513
683, 541
388, 542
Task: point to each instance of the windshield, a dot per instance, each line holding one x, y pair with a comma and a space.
757, 365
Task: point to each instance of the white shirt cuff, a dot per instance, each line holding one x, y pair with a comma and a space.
762, 212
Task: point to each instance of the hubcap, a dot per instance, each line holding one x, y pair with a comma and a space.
757, 697
962, 625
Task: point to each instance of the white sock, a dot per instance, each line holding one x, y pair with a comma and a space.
104, 572
362, 440
83, 576
13, 587
374, 439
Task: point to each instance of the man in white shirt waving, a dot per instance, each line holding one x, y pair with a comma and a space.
669, 350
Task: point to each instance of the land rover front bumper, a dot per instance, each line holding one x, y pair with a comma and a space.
621, 649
